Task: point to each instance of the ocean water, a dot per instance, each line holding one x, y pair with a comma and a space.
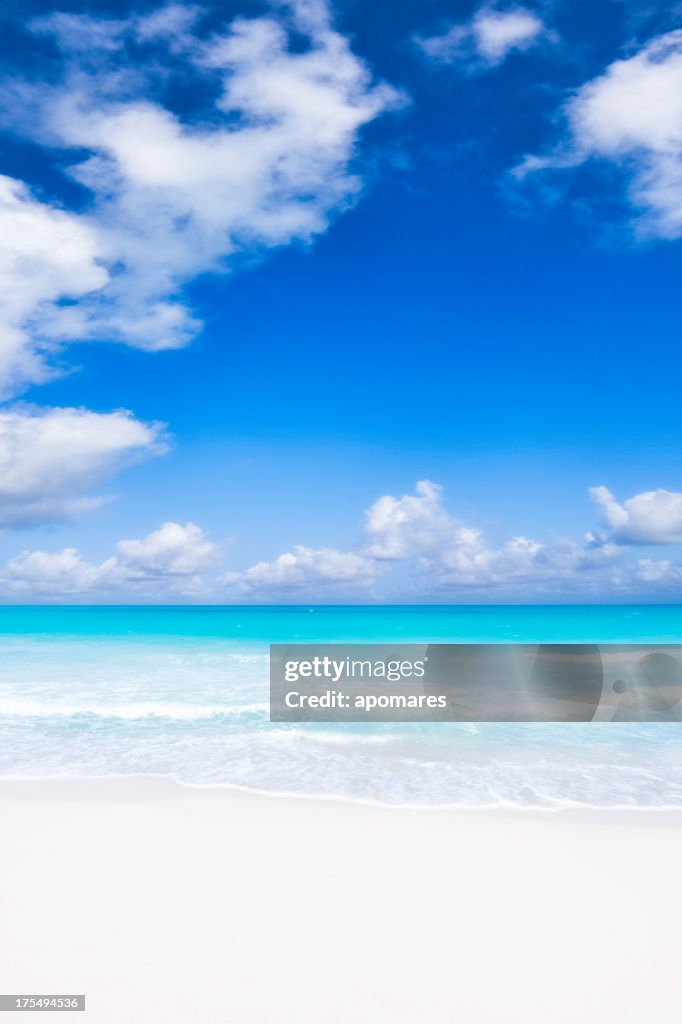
182, 691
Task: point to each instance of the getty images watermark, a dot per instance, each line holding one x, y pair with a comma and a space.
476, 682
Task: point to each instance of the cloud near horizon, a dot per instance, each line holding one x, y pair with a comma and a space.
446, 553
447, 557
652, 517
412, 533
171, 559
307, 568
263, 159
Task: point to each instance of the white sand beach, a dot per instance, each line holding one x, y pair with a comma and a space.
166, 904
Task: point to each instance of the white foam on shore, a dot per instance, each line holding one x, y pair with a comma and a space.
198, 713
143, 709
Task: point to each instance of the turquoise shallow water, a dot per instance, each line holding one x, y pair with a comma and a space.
182, 691
278, 624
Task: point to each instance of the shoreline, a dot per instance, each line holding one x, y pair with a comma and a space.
150, 787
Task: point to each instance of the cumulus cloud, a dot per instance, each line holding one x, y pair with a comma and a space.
441, 552
266, 159
396, 529
41, 572
630, 117
172, 550
51, 459
411, 547
308, 569
487, 39
652, 517
46, 255
522, 562
661, 574
400, 527
170, 559
447, 552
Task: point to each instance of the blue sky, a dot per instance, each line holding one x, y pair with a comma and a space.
264, 268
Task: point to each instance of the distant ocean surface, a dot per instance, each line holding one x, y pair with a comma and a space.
182, 691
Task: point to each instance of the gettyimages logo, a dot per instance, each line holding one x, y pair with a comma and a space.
353, 668
476, 682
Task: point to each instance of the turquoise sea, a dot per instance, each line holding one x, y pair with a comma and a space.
182, 691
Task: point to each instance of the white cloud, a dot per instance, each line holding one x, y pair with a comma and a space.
631, 117
524, 563
308, 569
652, 517
51, 459
396, 529
266, 161
498, 33
91, 36
442, 554
169, 560
447, 552
660, 574
172, 550
400, 527
41, 572
46, 255
488, 39
412, 538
